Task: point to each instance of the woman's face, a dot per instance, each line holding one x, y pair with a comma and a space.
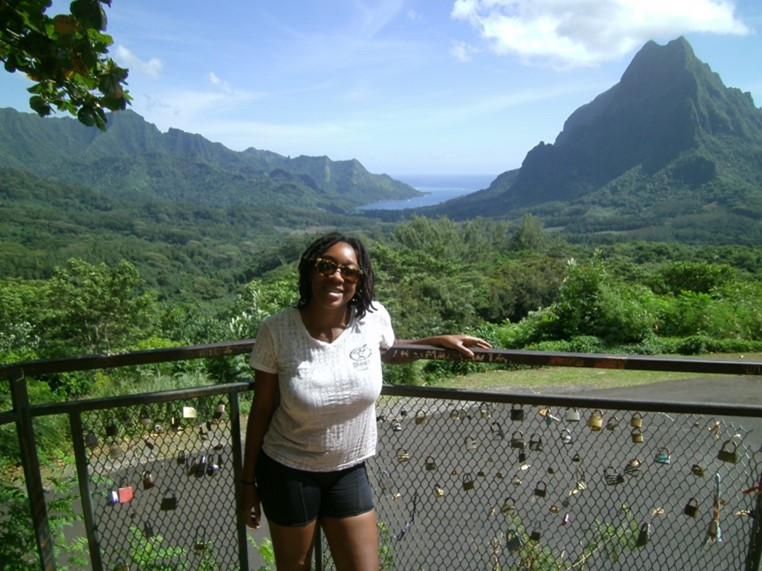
334, 289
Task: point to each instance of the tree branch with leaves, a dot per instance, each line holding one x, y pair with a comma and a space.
65, 56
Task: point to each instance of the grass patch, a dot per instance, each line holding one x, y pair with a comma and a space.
570, 378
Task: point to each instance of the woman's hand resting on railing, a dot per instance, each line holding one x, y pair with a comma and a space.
461, 343
251, 509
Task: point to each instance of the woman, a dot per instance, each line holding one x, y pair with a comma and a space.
312, 423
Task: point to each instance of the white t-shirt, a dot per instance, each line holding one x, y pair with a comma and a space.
326, 416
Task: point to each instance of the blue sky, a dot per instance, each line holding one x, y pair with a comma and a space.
403, 86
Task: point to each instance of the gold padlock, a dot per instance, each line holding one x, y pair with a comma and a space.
595, 422
484, 410
637, 420
691, 509
697, 470
468, 482
637, 436
439, 491
402, 456
728, 454
421, 418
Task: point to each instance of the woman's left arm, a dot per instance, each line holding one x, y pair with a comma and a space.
460, 343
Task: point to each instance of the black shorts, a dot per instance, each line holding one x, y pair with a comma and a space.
292, 497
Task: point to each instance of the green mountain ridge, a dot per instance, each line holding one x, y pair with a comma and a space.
667, 148
133, 159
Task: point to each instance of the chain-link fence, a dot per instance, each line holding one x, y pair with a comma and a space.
162, 485
480, 485
462, 480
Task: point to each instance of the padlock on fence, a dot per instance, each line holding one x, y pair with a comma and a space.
200, 543
697, 470
643, 535
149, 481
637, 420
572, 415
496, 430
470, 443
535, 442
485, 410
691, 509
91, 440
540, 489
613, 423
468, 482
637, 436
522, 456
421, 418
728, 452
168, 501
148, 532
633, 467
439, 491
566, 436
517, 413
513, 540
509, 505
125, 494
517, 440
402, 455
612, 477
430, 463
535, 535
219, 411
595, 421
663, 456
122, 566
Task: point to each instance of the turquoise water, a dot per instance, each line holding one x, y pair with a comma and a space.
438, 188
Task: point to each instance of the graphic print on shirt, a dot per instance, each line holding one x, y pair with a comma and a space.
360, 357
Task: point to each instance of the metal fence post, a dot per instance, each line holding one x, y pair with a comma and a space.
755, 541
80, 458
32, 475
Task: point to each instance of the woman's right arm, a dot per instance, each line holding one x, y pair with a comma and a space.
262, 408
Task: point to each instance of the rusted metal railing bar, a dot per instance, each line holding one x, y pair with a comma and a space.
149, 357
589, 360
495, 356
439, 393
139, 399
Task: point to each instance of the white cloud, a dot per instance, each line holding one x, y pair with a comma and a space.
125, 58
574, 33
220, 84
462, 51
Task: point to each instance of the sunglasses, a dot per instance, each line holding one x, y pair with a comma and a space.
327, 268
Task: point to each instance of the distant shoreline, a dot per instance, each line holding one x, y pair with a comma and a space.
438, 188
